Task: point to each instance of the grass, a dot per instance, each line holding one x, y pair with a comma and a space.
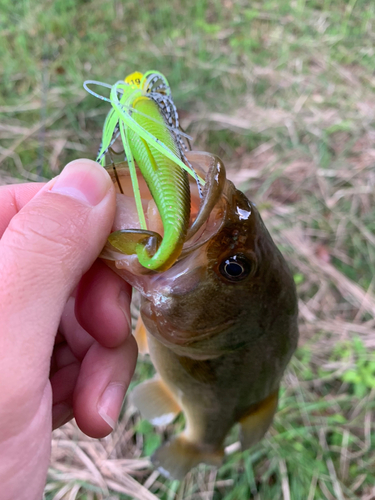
284, 93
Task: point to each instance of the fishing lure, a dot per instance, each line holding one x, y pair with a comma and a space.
144, 116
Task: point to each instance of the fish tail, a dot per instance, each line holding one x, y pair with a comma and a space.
175, 459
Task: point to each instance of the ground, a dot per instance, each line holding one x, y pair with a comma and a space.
283, 91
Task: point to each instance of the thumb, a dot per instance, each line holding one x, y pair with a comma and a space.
47, 247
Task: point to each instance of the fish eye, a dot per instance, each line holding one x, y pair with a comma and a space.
235, 268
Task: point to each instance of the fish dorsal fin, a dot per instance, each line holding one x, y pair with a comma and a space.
175, 459
140, 335
155, 402
255, 423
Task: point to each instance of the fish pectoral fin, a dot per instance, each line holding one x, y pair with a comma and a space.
178, 456
155, 402
140, 335
256, 422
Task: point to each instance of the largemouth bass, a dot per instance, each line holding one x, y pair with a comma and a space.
221, 322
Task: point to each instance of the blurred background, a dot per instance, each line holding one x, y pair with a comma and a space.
283, 91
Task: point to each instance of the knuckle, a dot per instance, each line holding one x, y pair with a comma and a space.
47, 230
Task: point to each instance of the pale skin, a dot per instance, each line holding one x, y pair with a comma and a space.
66, 349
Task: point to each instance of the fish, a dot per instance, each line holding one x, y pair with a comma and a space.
220, 324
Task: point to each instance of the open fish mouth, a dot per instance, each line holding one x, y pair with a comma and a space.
207, 216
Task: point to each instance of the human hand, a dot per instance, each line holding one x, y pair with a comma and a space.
58, 302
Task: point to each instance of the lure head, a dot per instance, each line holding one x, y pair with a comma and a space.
134, 79
229, 288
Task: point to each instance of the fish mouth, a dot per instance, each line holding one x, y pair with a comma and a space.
153, 284
207, 214
207, 166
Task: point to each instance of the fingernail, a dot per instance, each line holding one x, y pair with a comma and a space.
61, 414
110, 403
83, 180
124, 302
